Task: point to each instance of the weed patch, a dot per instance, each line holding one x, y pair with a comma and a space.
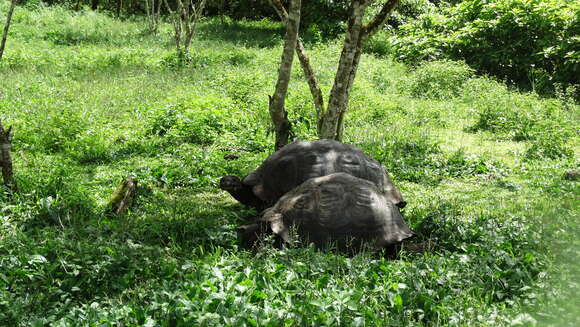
517, 117
439, 79
416, 158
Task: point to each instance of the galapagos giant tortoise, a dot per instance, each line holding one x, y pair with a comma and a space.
299, 161
337, 209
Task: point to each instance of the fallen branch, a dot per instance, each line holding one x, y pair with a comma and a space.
123, 196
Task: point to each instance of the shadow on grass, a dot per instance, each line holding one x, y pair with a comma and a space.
185, 220
259, 34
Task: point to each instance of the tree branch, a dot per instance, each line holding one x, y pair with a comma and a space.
329, 127
7, 26
380, 19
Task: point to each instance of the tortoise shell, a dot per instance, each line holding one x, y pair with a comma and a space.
338, 208
300, 161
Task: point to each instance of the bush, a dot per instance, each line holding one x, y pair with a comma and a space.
196, 120
551, 142
91, 147
532, 43
408, 10
52, 131
61, 27
439, 79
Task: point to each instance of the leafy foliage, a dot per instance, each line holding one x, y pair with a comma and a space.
532, 43
414, 157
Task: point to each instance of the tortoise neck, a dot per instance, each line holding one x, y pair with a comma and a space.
246, 196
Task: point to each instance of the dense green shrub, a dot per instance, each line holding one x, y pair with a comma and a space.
551, 142
408, 10
195, 120
54, 129
63, 27
439, 79
532, 43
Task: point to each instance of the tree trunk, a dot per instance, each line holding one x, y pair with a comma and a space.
176, 17
192, 14
7, 27
185, 19
149, 14
331, 121
309, 73
276, 106
119, 7
153, 13
6, 159
156, 16
94, 4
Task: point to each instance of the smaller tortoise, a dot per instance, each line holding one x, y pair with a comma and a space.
299, 161
337, 209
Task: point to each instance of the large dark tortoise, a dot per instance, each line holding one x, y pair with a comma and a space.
299, 161
338, 210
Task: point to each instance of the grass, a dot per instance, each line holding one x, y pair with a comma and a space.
102, 100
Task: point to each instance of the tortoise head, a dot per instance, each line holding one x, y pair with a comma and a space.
231, 184
253, 235
241, 191
393, 194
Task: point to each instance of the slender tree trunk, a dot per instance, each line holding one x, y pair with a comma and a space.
176, 17
309, 73
156, 15
185, 19
222, 9
149, 14
276, 106
331, 120
193, 14
94, 4
153, 13
331, 123
6, 159
7, 27
119, 7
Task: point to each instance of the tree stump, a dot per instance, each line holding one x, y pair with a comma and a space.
572, 175
6, 159
123, 196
